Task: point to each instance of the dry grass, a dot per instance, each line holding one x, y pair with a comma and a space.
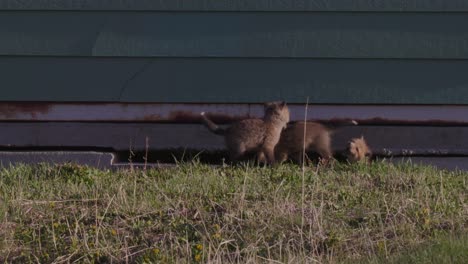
196, 213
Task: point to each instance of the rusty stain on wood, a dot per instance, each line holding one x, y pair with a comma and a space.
152, 117
31, 110
190, 117
429, 115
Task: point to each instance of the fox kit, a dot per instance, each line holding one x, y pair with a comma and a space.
254, 135
358, 150
317, 137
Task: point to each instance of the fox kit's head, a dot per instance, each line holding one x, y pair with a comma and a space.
277, 111
358, 150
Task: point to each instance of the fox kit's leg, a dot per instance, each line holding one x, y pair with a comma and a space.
236, 152
266, 156
323, 148
261, 159
297, 157
300, 157
271, 140
270, 155
281, 156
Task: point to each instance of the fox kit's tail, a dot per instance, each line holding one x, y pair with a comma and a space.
212, 126
333, 125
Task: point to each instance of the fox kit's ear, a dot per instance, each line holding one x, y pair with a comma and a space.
282, 104
362, 137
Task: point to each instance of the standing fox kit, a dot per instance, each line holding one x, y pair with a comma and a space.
254, 135
293, 142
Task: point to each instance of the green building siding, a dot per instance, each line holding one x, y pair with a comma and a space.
340, 52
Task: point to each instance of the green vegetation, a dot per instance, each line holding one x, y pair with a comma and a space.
451, 249
196, 213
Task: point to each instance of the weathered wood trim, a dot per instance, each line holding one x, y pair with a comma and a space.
384, 140
429, 115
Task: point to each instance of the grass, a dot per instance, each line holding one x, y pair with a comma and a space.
446, 249
196, 213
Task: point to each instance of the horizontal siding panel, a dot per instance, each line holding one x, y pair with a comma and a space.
239, 5
52, 79
423, 115
170, 80
383, 140
244, 34
447, 163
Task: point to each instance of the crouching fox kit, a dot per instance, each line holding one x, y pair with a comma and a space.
358, 150
317, 137
254, 135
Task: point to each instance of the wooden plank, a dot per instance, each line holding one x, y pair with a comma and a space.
384, 140
244, 34
97, 136
196, 80
323, 81
69, 79
407, 140
447, 163
432, 115
239, 5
